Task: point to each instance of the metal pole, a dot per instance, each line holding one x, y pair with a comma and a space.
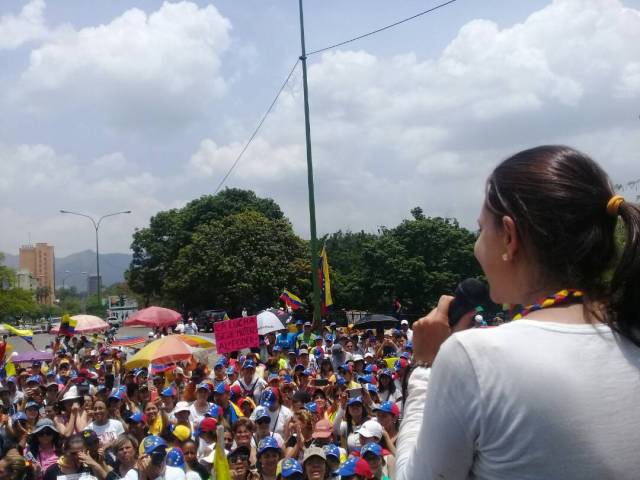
312, 204
98, 262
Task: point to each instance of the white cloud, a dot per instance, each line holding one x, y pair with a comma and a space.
390, 133
27, 26
160, 70
36, 182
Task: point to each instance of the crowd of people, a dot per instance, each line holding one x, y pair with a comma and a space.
306, 404
550, 395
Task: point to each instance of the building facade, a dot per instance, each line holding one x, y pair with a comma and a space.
92, 284
39, 259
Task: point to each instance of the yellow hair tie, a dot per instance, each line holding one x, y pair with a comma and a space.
613, 205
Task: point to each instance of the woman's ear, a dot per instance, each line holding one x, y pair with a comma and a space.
510, 238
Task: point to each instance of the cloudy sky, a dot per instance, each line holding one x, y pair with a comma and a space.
144, 105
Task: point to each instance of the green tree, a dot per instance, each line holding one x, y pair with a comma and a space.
416, 261
157, 247
94, 307
242, 260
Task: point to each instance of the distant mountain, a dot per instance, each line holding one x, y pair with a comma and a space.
112, 268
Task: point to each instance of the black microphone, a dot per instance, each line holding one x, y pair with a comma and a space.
469, 294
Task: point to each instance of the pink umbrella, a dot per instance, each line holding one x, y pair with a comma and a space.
85, 324
153, 317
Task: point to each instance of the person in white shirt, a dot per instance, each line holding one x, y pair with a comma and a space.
279, 414
179, 327
554, 393
106, 428
404, 326
250, 383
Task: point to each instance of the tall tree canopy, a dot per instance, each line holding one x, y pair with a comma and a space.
230, 250
417, 261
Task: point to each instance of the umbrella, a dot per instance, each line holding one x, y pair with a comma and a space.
85, 324
165, 350
283, 315
197, 341
268, 322
153, 317
35, 356
376, 321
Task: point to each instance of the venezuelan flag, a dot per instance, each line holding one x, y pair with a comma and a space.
290, 299
67, 325
26, 335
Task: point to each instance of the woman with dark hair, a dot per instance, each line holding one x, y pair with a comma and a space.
554, 393
107, 429
387, 388
73, 460
326, 370
43, 446
354, 417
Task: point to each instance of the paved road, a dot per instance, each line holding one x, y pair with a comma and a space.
40, 340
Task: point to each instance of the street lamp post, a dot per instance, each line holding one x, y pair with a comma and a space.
96, 226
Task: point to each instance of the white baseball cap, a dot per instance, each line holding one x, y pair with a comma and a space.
357, 357
371, 428
404, 322
182, 407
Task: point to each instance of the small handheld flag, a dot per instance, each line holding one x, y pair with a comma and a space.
291, 300
67, 325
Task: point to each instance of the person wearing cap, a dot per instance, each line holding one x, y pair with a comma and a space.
355, 468
322, 433
153, 462
388, 415
182, 414
290, 469
387, 388
206, 437
201, 405
348, 427
230, 411
179, 435
43, 446
136, 425
107, 429
314, 464
239, 463
262, 419
250, 383
404, 326
306, 337
372, 454
279, 414
73, 418
168, 399
269, 454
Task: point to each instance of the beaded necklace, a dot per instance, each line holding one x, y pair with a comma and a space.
568, 295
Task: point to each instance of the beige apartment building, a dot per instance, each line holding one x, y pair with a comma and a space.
40, 261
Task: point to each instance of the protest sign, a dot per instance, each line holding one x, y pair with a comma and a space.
236, 334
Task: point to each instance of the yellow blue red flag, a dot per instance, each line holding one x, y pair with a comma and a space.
290, 299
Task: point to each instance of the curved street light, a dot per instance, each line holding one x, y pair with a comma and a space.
96, 226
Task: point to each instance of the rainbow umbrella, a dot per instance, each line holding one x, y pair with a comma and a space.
196, 341
169, 349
